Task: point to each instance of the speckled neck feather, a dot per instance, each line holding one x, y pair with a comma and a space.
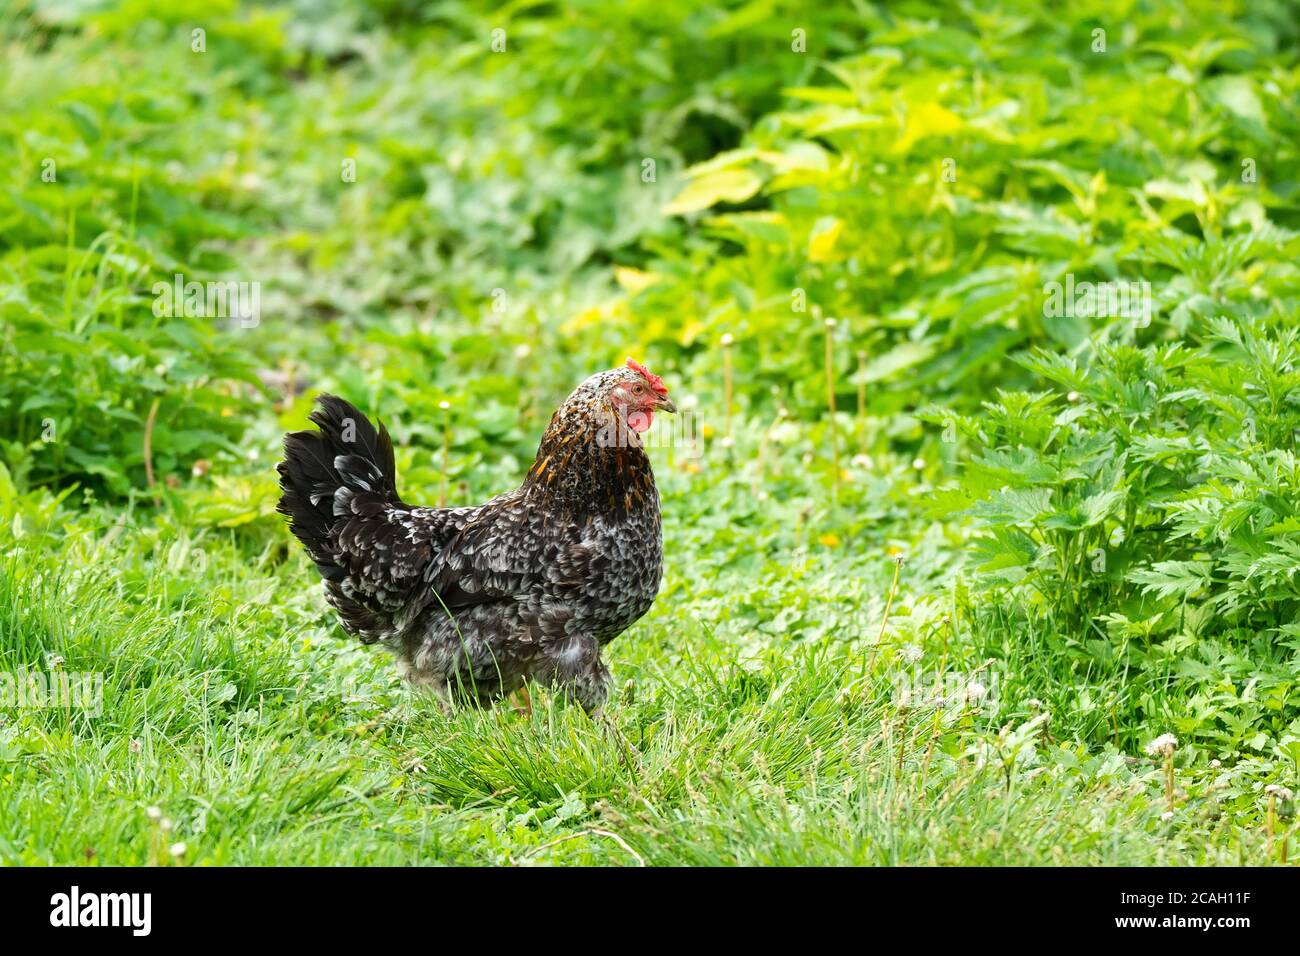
589, 460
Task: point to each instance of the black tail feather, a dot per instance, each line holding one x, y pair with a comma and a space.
326, 474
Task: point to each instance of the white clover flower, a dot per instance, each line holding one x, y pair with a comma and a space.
165, 825
1167, 816
1279, 791
154, 814
912, 653
177, 850
975, 692
1216, 763
55, 661
1162, 746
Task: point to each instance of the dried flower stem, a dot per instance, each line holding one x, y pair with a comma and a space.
446, 452
590, 831
830, 407
943, 656
1169, 778
761, 471
148, 448
1271, 822
726, 383
929, 751
902, 743
884, 623
862, 396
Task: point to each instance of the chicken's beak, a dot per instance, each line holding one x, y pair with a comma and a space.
664, 403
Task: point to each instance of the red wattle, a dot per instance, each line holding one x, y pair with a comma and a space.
640, 421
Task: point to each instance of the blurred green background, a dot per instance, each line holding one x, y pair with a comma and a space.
479, 205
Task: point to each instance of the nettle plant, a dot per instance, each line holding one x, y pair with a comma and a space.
1058, 481
1148, 506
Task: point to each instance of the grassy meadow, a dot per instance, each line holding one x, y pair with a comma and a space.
983, 322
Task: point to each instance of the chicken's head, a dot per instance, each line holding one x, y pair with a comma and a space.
636, 394
584, 453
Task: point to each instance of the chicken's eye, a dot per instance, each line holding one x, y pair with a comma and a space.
638, 389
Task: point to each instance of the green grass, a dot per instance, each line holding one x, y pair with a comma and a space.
232, 703
1096, 520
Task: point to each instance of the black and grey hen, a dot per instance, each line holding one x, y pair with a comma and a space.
530, 585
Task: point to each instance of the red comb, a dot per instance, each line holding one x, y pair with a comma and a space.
655, 381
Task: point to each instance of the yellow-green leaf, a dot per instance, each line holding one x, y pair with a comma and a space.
634, 280
821, 242
927, 119
729, 185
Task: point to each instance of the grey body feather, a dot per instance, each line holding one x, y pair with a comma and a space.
530, 585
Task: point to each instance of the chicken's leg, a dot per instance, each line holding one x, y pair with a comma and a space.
523, 702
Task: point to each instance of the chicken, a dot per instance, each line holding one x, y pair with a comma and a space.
529, 586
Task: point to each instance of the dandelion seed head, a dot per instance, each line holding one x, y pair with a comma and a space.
1162, 746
